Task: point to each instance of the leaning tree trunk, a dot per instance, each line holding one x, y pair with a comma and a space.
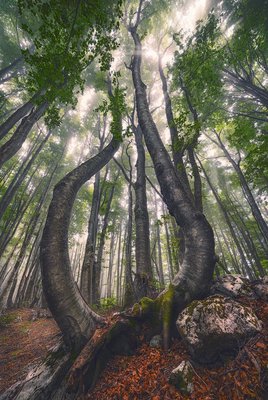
10, 148
9, 69
75, 319
197, 268
17, 116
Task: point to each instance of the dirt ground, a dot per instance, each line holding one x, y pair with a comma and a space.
25, 340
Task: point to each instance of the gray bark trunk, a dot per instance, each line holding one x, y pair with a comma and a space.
198, 264
10, 148
143, 253
75, 319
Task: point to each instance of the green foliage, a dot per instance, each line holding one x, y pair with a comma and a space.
67, 36
196, 69
116, 106
107, 303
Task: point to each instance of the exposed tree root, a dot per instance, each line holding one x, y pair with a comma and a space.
65, 376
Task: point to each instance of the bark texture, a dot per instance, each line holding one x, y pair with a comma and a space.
199, 259
75, 319
143, 253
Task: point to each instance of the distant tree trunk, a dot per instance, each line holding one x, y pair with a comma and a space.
9, 69
129, 297
118, 281
88, 262
75, 319
6, 199
17, 116
109, 291
144, 274
10, 148
245, 82
177, 148
98, 263
169, 253
248, 194
229, 223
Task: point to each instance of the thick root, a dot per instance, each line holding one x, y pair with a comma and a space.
65, 376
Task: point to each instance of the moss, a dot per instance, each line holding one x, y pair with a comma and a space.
7, 319
190, 309
143, 307
167, 314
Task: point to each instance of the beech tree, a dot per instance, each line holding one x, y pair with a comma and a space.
173, 201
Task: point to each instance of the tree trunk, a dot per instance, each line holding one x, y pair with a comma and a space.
143, 253
198, 264
248, 194
98, 263
75, 319
88, 262
229, 223
129, 296
9, 68
16, 116
10, 148
177, 148
17, 181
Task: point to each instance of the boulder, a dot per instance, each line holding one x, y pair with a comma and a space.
156, 341
232, 286
182, 378
260, 288
216, 327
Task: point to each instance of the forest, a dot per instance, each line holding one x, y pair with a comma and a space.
133, 199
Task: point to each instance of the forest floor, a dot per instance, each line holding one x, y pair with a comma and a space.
25, 340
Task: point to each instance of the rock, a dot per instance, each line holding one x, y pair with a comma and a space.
156, 341
40, 313
182, 378
216, 327
261, 288
232, 286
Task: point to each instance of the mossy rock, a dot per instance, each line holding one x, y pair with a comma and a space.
216, 327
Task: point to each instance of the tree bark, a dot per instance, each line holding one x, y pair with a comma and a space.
75, 319
143, 253
16, 116
10, 148
88, 262
248, 194
98, 263
198, 264
9, 68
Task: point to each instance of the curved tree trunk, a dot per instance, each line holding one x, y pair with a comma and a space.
198, 264
75, 319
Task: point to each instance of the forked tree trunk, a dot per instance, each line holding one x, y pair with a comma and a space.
198, 264
75, 319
